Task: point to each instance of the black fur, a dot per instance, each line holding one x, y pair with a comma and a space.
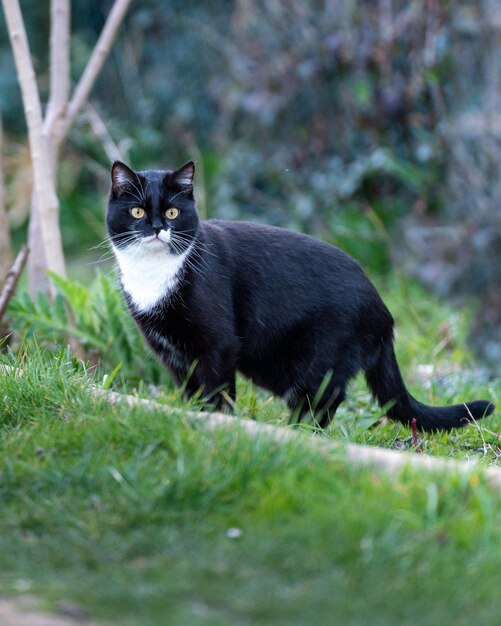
292, 313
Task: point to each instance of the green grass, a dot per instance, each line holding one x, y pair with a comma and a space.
131, 513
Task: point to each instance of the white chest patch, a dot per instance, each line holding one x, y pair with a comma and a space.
149, 272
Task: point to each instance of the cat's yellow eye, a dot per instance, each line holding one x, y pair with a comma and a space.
137, 212
171, 213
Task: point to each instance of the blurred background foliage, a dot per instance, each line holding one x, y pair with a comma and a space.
374, 124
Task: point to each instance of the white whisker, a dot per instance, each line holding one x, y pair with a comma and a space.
177, 194
140, 197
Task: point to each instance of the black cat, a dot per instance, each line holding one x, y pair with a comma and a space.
296, 315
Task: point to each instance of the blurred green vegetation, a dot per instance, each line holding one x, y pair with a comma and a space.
330, 118
260, 95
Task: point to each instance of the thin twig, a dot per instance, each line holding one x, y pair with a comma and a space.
12, 277
479, 429
101, 133
490, 432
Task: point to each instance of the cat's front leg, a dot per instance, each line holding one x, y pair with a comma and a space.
210, 382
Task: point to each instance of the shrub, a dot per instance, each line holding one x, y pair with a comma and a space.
95, 318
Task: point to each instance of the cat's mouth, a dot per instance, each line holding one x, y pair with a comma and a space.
161, 238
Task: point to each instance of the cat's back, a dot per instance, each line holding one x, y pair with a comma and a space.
260, 247
270, 264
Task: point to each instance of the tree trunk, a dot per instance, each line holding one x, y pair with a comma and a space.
48, 205
37, 265
56, 110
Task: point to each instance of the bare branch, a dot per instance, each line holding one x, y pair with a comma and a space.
12, 278
101, 133
94, 65
59, 64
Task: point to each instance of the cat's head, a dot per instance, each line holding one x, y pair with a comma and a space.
152, 211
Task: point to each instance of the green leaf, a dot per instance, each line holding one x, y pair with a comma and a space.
108, 378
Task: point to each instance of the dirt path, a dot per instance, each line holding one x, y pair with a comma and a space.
23, 612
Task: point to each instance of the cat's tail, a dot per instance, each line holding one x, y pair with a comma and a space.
386, 383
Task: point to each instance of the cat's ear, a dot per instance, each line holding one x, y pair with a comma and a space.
183, 177
123, 178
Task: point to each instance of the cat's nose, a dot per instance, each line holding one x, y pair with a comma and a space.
156, 227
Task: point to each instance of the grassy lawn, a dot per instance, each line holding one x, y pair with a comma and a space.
146, 519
